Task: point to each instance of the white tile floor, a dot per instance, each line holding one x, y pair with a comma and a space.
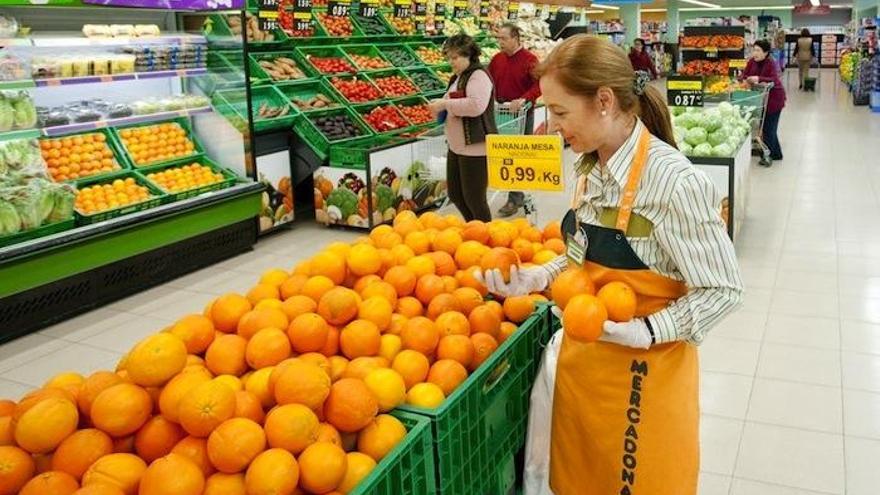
791, 382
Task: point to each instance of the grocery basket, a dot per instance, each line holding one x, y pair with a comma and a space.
753, 103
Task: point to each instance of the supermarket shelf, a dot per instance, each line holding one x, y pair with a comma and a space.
710, 49
134, 119
76, 39
162, 74
20, 134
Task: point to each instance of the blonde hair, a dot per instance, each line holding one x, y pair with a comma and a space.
584, 63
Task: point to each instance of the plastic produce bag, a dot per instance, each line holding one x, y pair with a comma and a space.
537, 462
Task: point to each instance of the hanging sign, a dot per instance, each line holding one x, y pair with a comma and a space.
525, 163
339, 8
684, 91
402, 8
512, 11
736, 66
302, 15
368, 8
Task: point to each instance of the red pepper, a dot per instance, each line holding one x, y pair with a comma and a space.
385, 118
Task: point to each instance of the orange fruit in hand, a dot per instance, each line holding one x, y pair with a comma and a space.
619, 299
583, 318
570, 283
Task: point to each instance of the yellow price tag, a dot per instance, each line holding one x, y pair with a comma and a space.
684, 85
525, 163
737, 63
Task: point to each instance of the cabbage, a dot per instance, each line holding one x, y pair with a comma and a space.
24, 114
678, 133
712, 121
727, 110
703, 149
695, 136
63, 197
718, 137
723, 149
685, 149
685, 120
10, 221
7, 115
677, 110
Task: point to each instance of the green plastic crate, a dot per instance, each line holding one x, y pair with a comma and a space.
118, 156
220, 28
413, 101
361, 77
406, 57
387, 31
418, 44
303, 53
356, 153
157, 199
236, 100
356, 31
41, 231
306, 90
364, 109
422, 77
182, 121
380, 74
438, 69
409, 467
317, 141
229, 179
259, 72
366, 50
482, 425
389, 18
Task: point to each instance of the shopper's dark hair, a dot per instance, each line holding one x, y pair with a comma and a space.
513, 29
764, 45
639, 40
464, 45
805, 32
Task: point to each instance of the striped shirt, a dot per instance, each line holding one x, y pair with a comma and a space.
688, 241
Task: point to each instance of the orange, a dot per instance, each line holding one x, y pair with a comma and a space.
330, 265
389, 346
195, 331
273, 472
401, 254
258, 319
387, 386
360, 338
377, 310
317, 286
500, 235
292, 286
402, 279
388, 240
274, 276
78, 451
363, 259
123, 471
447, 374
500, 258
450, 283
263, 291
173, 474
298, 305
406, 227
257, 383
404, 216
532, 235
444, 263
381, 436
447, 241
584, 317
227, 310
327, 433
555, 245
468, 299
338, 364
442, 303
507, 330
456, 347
302, 383
432, 220
363, 282
619, 300
321, 467
381, 289
360, 367
469, 254
196, 450
453, 323
291, 427
248, 405
156, 359
477, 231
234, 444
421, 265
331, 345
428, 287
339, 305
93, 385
308, 332
350, 406
410, 307
68, 381
544, 256
420, 334
523, 249
50, 483
267, 347
518, 308
425, 395
227, 355
178, 388
418, 242
484, 319
156, 438
553, 230
205, 407
7, 407
466, 278
359, 466
484, 346
303, 268
413, 366
570, 283
121, 409
225, 484
17, 469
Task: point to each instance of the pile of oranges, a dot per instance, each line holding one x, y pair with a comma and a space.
156, 143
116, 194
77, 157
284, 389
185, 177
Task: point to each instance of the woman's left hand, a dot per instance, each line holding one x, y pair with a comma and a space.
437, 106
634, 333
753, 79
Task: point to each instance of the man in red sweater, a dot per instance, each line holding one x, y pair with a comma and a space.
511, 70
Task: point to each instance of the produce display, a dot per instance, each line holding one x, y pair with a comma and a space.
713, 41
417, 114
331, 65
488, 52
426, 82
711, 131
385, 118
171, 103
185, 177
430, 55
371, 25
704, 68
267, 111
156, 143
399, 56
336, 127
445, 75
78, 157
451, 28
392, 86
109, 196
356, 90
282, 69
535, 34
365, 62
316, 102
17, 111
254, 33
403, 26
469, 25
336, 26
848, 63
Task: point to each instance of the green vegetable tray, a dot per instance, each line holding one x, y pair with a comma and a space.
260, 73
436, 69
415, 45
409, 467
182, 121
413, 101
441, 86
387, 33
360, 76
356, 30
414, 60
306, 90
319, 143
481, 426
365, 108
356, 153
41, 231
229, 179
220, 27
380, 74
236, 101
366, 50
157, 199
303, 53
115, 147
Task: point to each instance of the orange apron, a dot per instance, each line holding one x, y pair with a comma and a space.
625, 421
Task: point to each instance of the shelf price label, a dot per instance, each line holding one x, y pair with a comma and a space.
420, 8
439, 17
339, 8
368, 8
267, 4
302, 21
513, 11
485, 21
460, 9
302, 5
402, 8
736, 66
553, 12
267, 20
684, 91
525, 163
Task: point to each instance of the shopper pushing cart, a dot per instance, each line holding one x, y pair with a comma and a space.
762, 69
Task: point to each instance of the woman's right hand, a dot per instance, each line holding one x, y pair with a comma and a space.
522, 281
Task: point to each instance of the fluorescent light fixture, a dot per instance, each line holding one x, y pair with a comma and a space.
603, 6
594, 12
842, 6
653, 10
702, 4
765, 7
815, 3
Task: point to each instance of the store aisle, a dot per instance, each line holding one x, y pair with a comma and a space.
791, 382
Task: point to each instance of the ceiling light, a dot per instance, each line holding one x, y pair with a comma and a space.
815, 3
702, 4
653, 10
766, 7
603, 6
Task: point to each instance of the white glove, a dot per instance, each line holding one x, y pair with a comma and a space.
522, 281
634, 333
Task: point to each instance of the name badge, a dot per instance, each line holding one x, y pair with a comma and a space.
576, 247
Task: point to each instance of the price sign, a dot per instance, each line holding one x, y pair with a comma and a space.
735, 67
684, 91
459, 9
302, 5
513, 11
439, 17
525, 163
267, 20
485, 21
402, 8
267, 4
302, 21
420, 8
711, 52
339, 8
368, 8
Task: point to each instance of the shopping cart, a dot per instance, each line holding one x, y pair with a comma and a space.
753, 105
514, 124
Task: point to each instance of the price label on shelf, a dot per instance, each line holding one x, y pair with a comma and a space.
513, 11
525, 163
736, 66
459, 9
267, 4
420, 8
268, 20
368, 8
302, 5
402, 9
684, 91
485, 21
339, 8
302, 21
439, 17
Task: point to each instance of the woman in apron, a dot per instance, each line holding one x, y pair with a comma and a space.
626, 408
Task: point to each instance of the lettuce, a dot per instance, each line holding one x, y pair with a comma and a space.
63, 197
703, 149
718, 137
685, 149
24, 114
723, 149
7, 115
695, 136
10, 221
